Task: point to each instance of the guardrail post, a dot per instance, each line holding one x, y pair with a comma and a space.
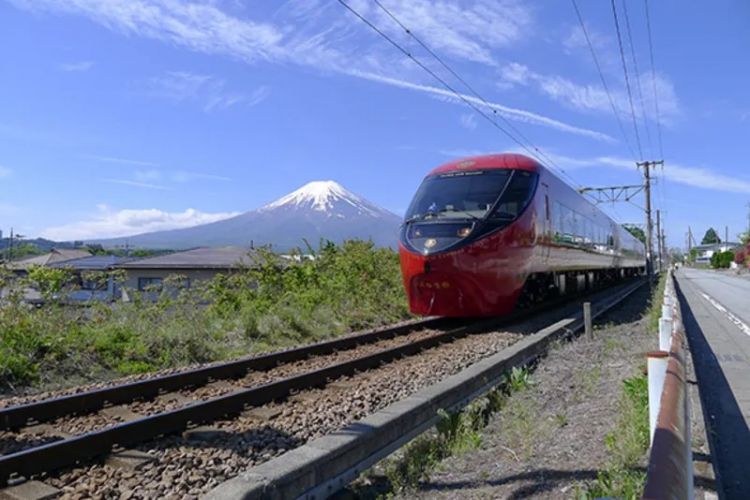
665, 334
657, 372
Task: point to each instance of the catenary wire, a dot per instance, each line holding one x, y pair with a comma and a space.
445, 84
604, 81
471, 89
653, 80
638, 85
627, 79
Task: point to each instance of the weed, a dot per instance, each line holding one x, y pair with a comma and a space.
275, 303
455, 433
627, 444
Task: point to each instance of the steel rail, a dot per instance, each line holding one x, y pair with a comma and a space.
69, 451
14, 417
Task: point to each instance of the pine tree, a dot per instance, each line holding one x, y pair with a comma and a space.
710, 237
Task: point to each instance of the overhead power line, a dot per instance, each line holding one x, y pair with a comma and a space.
604, 81
627, 79
531, 149
653, 79
637, 77
464, 82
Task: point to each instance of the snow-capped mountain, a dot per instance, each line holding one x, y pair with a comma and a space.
319, 209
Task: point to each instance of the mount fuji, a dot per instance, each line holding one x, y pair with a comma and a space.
319, 209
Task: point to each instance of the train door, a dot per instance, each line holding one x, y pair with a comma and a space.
548, 235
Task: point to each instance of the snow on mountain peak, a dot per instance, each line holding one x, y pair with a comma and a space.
322, 196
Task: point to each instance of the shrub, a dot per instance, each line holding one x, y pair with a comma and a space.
275, 303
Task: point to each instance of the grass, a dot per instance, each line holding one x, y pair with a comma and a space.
622, 476
276, 303
454, 434
627, 443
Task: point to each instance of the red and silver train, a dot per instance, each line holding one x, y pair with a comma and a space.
485, 234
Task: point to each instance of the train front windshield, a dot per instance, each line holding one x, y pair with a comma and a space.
458, 194
455, 206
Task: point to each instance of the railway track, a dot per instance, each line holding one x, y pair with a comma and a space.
272, 377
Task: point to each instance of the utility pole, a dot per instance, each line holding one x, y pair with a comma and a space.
658, 238
649, 226
10, 246
726, 234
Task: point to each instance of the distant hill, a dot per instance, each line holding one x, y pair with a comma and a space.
320, 209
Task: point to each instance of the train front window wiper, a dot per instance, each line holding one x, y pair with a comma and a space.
462, 212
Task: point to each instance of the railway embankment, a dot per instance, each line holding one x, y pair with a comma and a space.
575, 427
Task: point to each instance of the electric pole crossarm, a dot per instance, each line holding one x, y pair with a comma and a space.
612, 194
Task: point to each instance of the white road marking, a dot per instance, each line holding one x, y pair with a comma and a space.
734, 319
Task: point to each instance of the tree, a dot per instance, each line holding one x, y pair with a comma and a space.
710, 237
744, 238
636, 231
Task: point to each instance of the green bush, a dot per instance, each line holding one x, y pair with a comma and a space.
276, 302
722, 260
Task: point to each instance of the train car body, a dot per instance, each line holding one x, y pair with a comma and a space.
484, 233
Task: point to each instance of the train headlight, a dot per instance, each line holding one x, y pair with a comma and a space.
464, 232
430, 242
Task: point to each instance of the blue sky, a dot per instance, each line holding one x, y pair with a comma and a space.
119, 116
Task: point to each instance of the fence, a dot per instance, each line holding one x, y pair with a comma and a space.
670, 466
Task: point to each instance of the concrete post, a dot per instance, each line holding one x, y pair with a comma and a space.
587, 323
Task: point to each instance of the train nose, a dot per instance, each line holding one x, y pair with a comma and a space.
438, 293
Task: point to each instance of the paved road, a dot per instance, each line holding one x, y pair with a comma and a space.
716, 313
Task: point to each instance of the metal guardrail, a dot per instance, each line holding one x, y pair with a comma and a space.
670, 466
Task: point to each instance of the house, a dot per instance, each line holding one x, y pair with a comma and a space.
705, 252
194, 265
92, 288
55, 256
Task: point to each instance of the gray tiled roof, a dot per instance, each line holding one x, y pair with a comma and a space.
55, 256
93, 262
198, 258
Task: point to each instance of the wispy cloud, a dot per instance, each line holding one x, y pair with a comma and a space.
182, 176
471, 31
76, 66
107, 223
122, 161
5, 172
138, 184
510, 113
469, 121
593, 97
209, 91
700, 177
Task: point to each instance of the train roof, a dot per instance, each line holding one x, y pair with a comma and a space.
493, 161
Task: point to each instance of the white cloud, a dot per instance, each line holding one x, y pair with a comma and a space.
472, 31
138, 184
182, 176
123, 161
510, 113
700, 177
5, 172
593, 97
147, 175
207, 90
108, 223
469, 121
77, 66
